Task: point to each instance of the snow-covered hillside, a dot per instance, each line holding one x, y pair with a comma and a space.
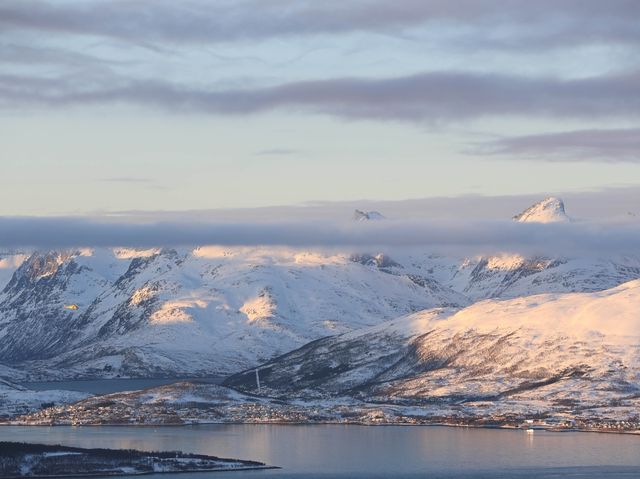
204, 311
16, 400
510, 275
514, 275
217, 310
562, 352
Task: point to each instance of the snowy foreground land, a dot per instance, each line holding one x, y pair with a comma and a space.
36, 460
378, 337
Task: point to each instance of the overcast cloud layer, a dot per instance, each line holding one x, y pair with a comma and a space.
429, 97
617, 204
111, 76
611, 146
578, 21
479, 237
169, 96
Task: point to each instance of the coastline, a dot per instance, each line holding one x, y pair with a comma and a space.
554, 429
37, 460
128, 474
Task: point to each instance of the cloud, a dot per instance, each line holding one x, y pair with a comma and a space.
527, 22
277, 152
40, 34
612, 146
463, 237
30, 55
598, 205
428, 97
126, 179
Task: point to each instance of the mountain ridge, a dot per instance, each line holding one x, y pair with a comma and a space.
217, 310
571, 353
549, 210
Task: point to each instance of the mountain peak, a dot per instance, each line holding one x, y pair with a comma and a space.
359, 215
549, 210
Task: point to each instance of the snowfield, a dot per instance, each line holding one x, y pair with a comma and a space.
203, 311
570, 353
433, 335
214, 310
16, 400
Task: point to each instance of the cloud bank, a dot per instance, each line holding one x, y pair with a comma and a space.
464, 237
598, 205
578, 21
431, 97
612, 146
583, 63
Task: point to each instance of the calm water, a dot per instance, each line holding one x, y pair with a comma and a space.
108, 386
370, 452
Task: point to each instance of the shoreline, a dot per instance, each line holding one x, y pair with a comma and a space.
331, 423
127, 474
47, 461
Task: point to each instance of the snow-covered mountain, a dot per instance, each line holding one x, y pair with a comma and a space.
514, 275
549, 210
359, 215
217, 310
511, 275
552, 352
204, 311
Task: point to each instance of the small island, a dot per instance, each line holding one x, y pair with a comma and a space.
19, 460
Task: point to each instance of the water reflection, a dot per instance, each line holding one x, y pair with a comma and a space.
388, 451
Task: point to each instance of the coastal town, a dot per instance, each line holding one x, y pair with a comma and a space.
193, 403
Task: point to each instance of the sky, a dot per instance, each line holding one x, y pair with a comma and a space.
141, 105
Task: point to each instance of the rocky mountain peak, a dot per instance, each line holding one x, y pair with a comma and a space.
549, 210
360, 215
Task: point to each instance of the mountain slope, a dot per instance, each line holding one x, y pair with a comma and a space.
510, 275
564, 352
214, 310
514, 275
549, 210
16, 400
204, 311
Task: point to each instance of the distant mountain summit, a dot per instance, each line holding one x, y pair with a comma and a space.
359, 215
549, 210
